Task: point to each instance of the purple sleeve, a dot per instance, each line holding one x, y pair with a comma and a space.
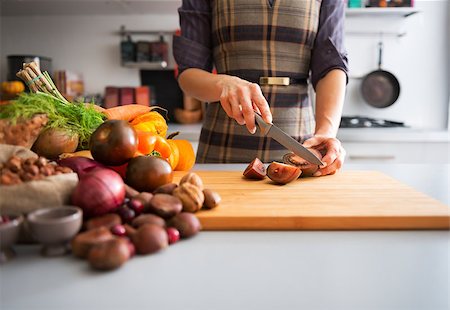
192, 49
329, 52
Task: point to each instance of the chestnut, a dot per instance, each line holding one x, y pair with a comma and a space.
83, 242
166, 189
282, 173
150, 238
145, 198
148, 219
255, 170
212, 198
165, 205
110, 254
108, 220
186, 223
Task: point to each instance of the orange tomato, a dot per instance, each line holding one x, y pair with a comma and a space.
147, 142
162, 147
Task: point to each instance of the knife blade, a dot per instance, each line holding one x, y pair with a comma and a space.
286, 140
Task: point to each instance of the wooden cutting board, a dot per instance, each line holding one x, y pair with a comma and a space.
348, 200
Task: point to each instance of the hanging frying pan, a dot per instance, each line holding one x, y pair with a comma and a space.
380, 88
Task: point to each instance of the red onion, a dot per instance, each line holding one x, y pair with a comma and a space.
80, 165
99, 192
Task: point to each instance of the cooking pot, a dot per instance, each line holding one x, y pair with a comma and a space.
380, 88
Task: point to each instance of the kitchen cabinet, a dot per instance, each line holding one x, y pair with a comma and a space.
395, 145
380, 12
397, 152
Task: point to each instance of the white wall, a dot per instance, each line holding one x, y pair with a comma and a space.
419, 60
88, 44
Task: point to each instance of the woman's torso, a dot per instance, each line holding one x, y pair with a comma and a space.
251, 39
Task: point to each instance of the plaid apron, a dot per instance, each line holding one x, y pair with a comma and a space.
251, 39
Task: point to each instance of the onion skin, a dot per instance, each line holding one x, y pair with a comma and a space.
80, 165
99, 192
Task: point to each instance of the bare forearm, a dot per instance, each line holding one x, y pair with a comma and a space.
201, 84
239, 98
330, 93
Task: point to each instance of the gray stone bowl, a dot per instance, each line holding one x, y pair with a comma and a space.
9, 233
54, 227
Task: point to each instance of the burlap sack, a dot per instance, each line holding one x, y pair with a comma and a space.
52, 191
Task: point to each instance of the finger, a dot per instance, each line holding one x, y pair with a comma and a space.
330, 169
314, 141
236, 109
331, 154
226, 106
261, 102
255, 108
249, 115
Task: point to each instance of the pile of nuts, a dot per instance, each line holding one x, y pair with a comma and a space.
17, 170
24, 132
145, 223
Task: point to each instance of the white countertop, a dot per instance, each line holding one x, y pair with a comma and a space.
256, 270
393, 135
192, 132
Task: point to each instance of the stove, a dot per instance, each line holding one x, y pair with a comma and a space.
367, 122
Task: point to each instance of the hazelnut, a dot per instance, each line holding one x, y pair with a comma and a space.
41, 161
191, 197
32, 169
29, 161
192, 178
9, 178
14, 164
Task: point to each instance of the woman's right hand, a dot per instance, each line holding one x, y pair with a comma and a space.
240, 98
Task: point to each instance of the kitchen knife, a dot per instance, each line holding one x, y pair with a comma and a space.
287, 141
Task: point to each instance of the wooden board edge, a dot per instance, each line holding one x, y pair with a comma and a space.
328, 223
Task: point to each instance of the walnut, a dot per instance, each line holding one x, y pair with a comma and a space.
191, 197
192, 178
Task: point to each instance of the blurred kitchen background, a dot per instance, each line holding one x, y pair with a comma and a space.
118, 52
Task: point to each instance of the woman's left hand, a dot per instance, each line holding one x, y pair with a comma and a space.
334, 153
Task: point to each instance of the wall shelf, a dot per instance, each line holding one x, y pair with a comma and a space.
124, 32
147, 65
380, 12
